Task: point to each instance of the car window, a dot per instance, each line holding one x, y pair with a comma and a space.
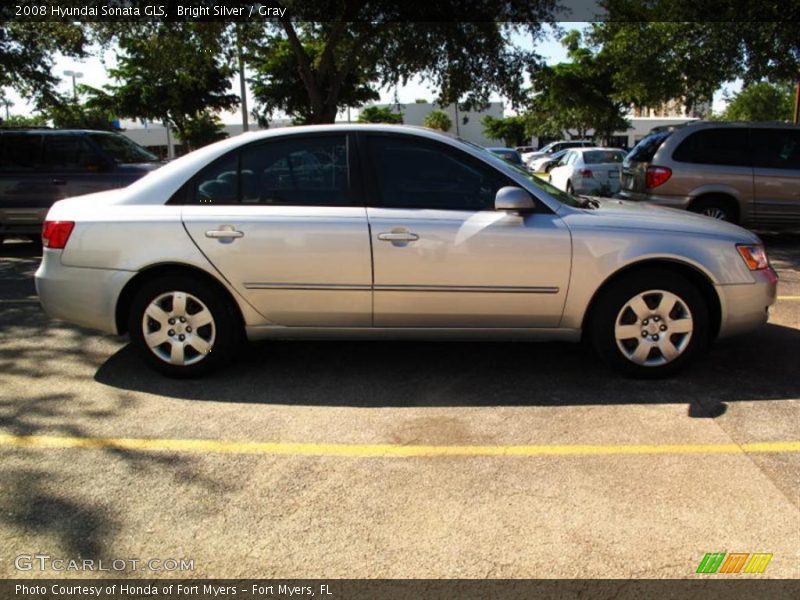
776, 148
68, 153
646, 149
309, 171
305, 171
218, 183
21, 151
597, 157
412, 173
121, 149
570, 158
722, 146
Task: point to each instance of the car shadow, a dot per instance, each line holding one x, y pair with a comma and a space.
760, 366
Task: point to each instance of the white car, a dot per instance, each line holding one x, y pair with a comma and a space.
589, 171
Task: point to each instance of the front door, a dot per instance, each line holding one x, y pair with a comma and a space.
443, 257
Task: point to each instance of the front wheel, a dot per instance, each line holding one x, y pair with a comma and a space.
183, 327
650, 324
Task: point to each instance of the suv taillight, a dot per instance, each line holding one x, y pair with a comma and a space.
656, 176
56, 233
586, 173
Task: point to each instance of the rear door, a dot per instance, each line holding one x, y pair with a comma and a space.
776, 175
282, 221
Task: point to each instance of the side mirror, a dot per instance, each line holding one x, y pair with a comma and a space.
514, 199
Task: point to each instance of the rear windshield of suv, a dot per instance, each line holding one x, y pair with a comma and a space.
646, 149
121, 149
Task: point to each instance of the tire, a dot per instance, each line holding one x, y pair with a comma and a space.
570, 189
211, 330
666, 304
716, 207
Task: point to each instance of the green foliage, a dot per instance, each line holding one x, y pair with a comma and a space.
421, 101
375, 114
67, 113
438, 119
24, 121
27, 51
761, 102
577, 95
689, 57
314, 68
512, 130
170, 72
201, 130
277, 87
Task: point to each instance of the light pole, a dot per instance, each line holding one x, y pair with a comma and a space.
75, 75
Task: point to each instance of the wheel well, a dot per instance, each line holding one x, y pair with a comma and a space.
721, 197
134, 285
696, 277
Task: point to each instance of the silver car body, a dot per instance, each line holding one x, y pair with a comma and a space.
316, 271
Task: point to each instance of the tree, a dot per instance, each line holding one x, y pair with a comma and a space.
438, 119
25, 121
170, 72
69, 113
689, 57
580, 95
762, 101
354, 47
512, 130
375, 114
27, 50
202, 129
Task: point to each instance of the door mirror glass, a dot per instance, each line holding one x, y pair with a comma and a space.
514, 199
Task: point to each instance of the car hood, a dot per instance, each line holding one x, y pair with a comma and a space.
624, 214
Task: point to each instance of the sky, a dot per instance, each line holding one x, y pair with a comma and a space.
94, 74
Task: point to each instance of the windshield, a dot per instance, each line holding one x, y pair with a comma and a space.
646, 149
553, 191
121, 149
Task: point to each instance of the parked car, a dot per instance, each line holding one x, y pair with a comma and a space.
544, 164
40, 166
589, 171
386, 231
508, 154
525, 149
554, 147
746, 173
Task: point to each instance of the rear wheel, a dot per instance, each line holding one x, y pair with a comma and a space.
182, 327
716, 207
649, 324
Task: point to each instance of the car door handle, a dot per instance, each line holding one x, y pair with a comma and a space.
398, 236
225, 234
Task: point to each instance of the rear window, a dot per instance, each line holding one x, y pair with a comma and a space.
776, 148
598, 157
724, 146
646, 149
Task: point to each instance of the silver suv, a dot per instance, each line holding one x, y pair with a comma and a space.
746, 173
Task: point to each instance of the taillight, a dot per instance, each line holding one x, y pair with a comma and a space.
657, 176
585, 173
56, 233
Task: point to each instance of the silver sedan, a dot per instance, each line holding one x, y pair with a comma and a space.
390, 232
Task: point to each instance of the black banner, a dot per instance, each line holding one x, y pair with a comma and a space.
710, 588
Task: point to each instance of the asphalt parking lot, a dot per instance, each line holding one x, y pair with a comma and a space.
387, 459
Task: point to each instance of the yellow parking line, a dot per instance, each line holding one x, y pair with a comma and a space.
379, 450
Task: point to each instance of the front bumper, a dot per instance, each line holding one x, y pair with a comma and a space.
83, 296
746, 306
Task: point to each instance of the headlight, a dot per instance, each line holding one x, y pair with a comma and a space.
754, 256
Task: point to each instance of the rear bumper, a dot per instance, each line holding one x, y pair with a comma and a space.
746, 306
670, 201
86, 297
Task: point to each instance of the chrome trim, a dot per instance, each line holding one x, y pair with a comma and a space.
255, 285
467, 288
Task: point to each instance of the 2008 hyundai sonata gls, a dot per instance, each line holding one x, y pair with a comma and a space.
390, 231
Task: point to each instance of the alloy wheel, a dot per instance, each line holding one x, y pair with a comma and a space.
178, 328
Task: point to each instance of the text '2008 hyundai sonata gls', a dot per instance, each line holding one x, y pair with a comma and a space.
390, 232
